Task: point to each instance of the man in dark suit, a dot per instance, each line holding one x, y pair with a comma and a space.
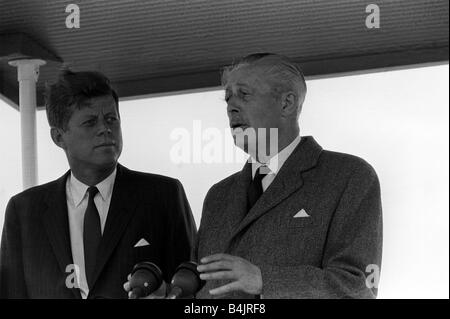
297, 221
80, 235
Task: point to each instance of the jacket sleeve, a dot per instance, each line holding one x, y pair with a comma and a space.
182, 231
12, 281
352, 256
200, 228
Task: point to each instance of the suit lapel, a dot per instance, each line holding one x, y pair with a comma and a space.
236, 209
288, 180
56, 224
121, 209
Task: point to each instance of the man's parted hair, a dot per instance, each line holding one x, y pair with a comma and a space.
72, 90
282, 73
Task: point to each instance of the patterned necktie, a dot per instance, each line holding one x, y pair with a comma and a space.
255, 189
92, 234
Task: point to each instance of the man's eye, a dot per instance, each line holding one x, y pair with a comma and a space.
111, 119
244, 94
89, 122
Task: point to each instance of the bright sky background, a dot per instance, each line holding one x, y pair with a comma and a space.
397, 121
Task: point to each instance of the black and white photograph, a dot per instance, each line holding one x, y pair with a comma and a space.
242, 150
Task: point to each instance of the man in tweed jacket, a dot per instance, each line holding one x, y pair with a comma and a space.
315, 229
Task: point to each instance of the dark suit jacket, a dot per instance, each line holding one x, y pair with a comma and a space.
325, 255
35, 248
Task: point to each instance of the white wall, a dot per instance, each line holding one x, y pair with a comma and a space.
397, 121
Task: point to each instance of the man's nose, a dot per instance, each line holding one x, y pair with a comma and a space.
232, 107
104, 127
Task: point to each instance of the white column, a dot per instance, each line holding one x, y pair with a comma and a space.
27, 75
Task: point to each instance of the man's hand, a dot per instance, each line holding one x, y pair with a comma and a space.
245, 276
160, 293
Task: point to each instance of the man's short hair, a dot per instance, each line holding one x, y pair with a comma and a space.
282, 73
72, 90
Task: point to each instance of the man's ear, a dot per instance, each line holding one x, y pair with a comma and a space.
289, 103
57, 137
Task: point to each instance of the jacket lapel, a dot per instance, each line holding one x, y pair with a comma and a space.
121, 209
288, 180
236, 209
56, 224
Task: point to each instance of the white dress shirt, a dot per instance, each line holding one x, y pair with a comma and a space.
275, 163
77, 201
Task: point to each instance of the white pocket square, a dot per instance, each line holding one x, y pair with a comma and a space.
301, 213
142, 243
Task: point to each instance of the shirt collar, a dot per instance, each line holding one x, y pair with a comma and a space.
78, 189
276, 162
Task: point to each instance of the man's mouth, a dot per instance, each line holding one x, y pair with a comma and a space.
242, 126
107, 144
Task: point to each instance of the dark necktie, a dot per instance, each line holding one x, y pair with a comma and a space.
92, 234
255, 189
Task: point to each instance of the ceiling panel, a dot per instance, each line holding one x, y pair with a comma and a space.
148, 47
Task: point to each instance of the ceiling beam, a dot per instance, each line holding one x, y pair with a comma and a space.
317, 67
21, 46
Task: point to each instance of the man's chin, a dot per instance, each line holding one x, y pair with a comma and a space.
106, 162
107, 154
242, 130
245, 147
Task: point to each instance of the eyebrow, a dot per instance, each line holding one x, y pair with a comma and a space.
243, 84
228, 88
84, 116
